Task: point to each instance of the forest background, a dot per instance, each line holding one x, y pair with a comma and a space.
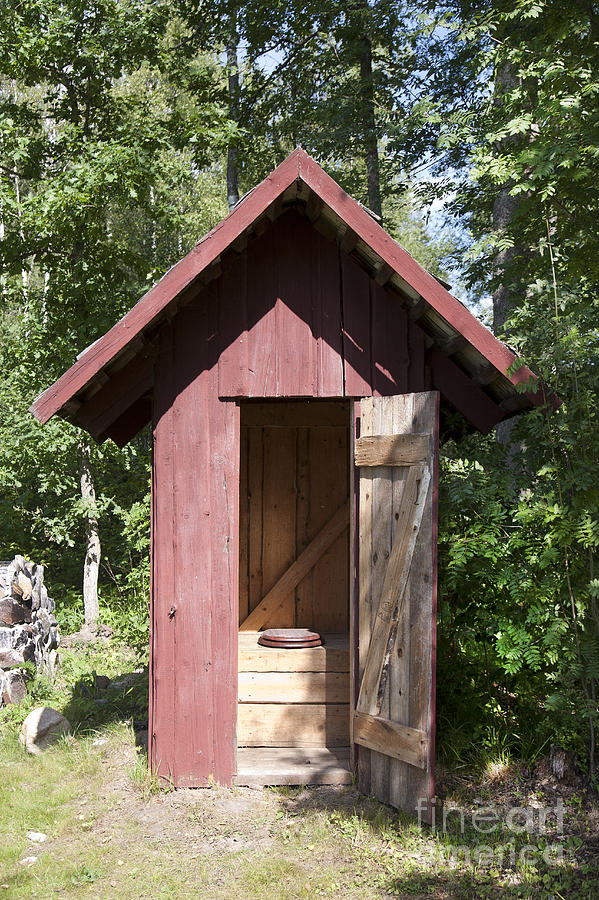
127, 130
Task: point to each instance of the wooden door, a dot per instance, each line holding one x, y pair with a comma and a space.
393, 722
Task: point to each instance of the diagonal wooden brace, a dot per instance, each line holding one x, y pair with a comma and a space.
396, 578
306, 561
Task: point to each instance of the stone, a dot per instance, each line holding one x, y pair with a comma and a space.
27, 623
13, 686
5, 578
44, 621
9, 638
25, 585
87, 632
28, 860
42, 728
127, 682
12, 612
38, 837
10, 658
562, 763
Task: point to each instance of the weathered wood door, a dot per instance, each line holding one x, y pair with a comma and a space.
393, 722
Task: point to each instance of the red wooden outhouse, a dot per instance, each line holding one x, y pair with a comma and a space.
297, 367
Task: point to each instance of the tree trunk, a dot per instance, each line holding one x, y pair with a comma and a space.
505, 294
91, 564
505, 208
233, 86
367, 107
509, 289
18, 210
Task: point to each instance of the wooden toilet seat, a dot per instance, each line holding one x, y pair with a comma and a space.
289, 638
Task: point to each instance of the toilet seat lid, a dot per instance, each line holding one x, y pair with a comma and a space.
289, 638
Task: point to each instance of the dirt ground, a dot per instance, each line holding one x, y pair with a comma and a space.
137, 840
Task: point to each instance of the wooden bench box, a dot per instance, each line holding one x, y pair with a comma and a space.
293, 698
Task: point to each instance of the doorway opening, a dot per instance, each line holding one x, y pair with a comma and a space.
294, 572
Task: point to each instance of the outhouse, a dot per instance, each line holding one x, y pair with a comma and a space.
297, 368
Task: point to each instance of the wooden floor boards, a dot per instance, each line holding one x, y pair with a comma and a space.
259, 766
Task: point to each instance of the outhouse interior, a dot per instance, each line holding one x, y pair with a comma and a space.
295, 485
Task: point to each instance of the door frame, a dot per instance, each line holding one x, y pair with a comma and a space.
272, 401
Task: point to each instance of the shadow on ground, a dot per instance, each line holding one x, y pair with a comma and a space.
458, 862
97, 701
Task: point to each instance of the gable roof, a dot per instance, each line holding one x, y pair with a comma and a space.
466, 346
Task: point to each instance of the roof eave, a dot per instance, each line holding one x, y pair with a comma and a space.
319, 191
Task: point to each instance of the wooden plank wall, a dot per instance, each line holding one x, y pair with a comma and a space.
298, 317
291, 316
293, 698
294, 476
195, 559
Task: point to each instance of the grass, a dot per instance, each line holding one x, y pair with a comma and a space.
113, 831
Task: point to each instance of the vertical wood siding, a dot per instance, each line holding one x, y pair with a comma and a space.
290, 316
408, 693
298, 317
195, 546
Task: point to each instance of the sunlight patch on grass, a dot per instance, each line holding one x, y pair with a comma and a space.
496, 769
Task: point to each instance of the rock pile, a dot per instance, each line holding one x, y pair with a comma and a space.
28, 629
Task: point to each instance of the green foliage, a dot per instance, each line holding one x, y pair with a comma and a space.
107, 177
303, 82
518, 616
500, 629
504, 112
512, 103
113, 123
